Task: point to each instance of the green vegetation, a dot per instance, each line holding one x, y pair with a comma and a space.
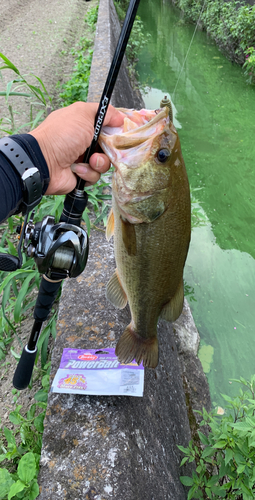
249, 65
198, 216
137, 39
33, 91
76, 89
91, 17
21, 447
225, 458
230, 24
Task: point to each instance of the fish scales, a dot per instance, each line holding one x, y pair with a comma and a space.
150, 219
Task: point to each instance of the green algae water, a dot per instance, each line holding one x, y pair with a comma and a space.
214, 113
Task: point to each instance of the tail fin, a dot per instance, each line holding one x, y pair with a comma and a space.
132, 346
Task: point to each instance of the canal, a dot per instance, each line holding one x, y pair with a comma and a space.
214, 113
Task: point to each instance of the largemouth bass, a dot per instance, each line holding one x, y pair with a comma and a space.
150, 220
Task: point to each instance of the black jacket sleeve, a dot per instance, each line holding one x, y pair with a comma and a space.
11, 183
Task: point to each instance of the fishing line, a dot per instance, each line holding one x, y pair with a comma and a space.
188, 50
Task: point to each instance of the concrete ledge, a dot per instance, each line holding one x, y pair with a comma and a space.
122, 448
107, 35
112, 447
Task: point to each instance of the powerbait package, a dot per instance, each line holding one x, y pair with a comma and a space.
97, 372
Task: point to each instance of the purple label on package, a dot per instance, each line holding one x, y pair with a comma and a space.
97, 372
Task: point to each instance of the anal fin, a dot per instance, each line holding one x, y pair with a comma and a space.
172, 310
115, 293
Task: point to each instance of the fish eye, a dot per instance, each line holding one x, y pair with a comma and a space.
163, 155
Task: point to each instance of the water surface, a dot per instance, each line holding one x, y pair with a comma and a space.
214, 112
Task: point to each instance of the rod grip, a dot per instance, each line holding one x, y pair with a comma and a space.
23, 372
46, 296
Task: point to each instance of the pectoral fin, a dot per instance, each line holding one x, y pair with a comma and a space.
110, 226
172, 310
115, 293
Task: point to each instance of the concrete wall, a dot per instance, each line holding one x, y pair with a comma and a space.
122, 448
107, 35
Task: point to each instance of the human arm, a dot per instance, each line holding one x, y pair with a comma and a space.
73, 133
57, 143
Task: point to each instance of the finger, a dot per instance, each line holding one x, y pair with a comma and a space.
85, 172
114, 118
99, 162
62, 184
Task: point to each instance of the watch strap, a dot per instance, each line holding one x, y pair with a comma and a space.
29, 174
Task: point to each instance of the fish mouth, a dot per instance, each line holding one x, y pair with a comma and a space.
136, 135
132, 149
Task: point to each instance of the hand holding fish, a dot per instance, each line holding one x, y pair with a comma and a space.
64, 137
151, 223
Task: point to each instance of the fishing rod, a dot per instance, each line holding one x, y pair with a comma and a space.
60, 250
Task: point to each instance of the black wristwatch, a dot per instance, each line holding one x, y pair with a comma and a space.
29, 174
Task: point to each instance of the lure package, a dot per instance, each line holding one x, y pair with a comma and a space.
97, 372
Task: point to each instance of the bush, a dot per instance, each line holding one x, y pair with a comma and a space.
225, 459
230, 24
21, 447
249, 65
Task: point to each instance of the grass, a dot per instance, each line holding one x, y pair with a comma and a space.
76, 88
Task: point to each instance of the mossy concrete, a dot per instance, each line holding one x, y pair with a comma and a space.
122, 448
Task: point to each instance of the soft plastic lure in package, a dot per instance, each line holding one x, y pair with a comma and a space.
97, 372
